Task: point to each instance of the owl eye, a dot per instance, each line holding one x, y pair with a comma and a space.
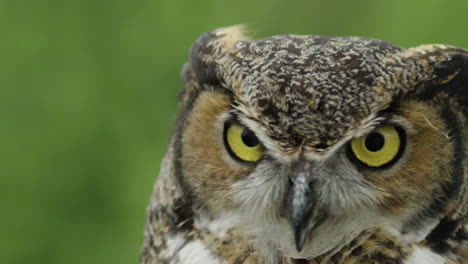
379, 148
242, 143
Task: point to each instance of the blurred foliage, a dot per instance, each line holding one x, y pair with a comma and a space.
88, 97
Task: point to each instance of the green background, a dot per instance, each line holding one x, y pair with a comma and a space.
88, 98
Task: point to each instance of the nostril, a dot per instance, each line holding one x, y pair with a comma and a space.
290, 182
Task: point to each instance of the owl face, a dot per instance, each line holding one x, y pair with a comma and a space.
303, 142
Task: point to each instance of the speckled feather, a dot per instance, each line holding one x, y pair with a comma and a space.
314, 88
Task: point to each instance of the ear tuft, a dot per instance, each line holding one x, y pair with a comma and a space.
452, 76
200, 63
457, 73
229, 36
449, 69
210, 48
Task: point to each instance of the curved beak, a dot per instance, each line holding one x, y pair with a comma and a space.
303, 213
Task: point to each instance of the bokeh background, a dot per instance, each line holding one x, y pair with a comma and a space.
88, 97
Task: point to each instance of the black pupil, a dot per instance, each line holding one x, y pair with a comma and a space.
249, 138
374, 141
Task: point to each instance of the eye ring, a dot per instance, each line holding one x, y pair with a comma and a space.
242, 143
380, 149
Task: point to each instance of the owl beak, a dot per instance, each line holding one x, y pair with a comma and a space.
302, 212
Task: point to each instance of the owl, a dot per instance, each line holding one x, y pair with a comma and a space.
314, 149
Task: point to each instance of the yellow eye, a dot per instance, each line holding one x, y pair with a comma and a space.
243, 143
378, 148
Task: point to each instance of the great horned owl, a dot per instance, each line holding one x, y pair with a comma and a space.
314, 149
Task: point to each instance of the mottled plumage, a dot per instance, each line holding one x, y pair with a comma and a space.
313, 149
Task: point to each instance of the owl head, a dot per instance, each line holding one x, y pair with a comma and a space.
302, 142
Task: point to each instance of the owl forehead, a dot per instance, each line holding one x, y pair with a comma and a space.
308, 89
